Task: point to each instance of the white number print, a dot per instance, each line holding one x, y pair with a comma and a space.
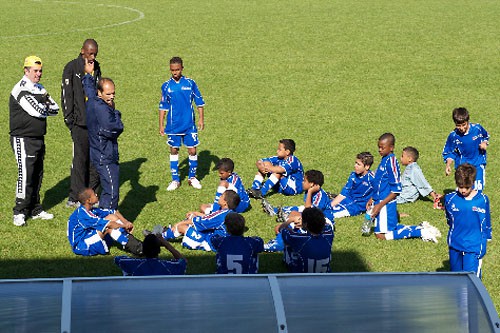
318, 266
233, 264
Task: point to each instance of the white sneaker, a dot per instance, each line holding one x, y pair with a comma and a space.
43, 215
429, 232
174, 185
19, 220
195, 183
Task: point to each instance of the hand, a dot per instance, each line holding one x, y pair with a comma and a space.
201, 124
483, 145
314, 189
161, 131
376, 210
447, 170
89, 66
224, 183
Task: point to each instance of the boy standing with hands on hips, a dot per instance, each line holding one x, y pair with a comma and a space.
177, 97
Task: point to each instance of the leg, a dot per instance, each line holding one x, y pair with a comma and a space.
472, 263
456, 260
193, 162
79, 176
271, 182
110, 183
290, 186
174, 164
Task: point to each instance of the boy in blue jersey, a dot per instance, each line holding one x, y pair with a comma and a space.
467, 143
383, 204
237, 254
468, 216
308, 250
284, 172
229, 180
92, 230
152, 265
177, 97
197, 229
413, 181
357, 191
314, 196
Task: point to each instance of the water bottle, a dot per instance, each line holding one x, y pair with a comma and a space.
366, 227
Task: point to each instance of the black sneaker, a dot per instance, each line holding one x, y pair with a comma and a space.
254, 193
282, 216
331, 195
268, 208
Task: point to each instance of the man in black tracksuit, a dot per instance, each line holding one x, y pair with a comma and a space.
29, 106
73, 99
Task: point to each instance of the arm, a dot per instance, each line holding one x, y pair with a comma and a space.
314, 189
161, 122
201, 118
449, 153
67, 96
338, 199
378, 207
171, 249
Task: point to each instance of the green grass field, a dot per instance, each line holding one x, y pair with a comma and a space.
332, 75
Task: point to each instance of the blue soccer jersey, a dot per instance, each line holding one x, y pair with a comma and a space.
469, 222
464, 147
198, 235
82, 223
357, 191
387, 178
306, 253
291, 182
237, 254
150, 266
319, 200
177, 100
236, 185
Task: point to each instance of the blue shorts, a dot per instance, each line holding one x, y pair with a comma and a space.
92, 244
288, 186
465, 262
387, 219
480, 177
189, 139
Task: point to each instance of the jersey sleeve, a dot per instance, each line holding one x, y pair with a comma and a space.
165, 98
394, 175
487, 219
196, 95
449, 149
348, 186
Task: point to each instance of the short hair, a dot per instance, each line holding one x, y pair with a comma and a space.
232, 198
102, 81
235, 224
315, 176
84, 195
460, 115
413, 152
176, 60
90, 41
225, 164
465, 175
389, 137
151, 246
366, 158
289, 144
313, 220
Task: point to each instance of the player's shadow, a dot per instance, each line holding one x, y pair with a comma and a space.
445, 267
56, 194
205, 161
138, 196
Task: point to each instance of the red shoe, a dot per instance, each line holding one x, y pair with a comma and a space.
438, 204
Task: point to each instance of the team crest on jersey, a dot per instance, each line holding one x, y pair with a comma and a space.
478, 209
185, 88
454, 208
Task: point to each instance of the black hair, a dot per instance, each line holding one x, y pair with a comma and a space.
460, 115
315, 176
366, 158
313, 220
413, 152
465, 175
151, 246
226, 164
176, 60
235, 224
84, 195
389, 137
289, 144
232, 198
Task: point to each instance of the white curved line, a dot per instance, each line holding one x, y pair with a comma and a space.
140, 17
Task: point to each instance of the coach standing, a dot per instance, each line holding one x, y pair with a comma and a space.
29, 105
83, 174
104, 127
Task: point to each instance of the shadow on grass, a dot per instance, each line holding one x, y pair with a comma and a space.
198, 263
205, 160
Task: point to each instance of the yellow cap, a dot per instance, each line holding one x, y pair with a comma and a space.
32, 61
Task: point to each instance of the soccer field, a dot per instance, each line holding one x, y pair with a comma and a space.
332, 75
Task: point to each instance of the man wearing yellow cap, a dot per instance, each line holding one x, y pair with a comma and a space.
29, 105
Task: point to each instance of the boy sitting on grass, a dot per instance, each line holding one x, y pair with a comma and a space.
152, 265
413, 181
229, 180
284, 172
237, 254
357, 191
308, 250
197, 229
